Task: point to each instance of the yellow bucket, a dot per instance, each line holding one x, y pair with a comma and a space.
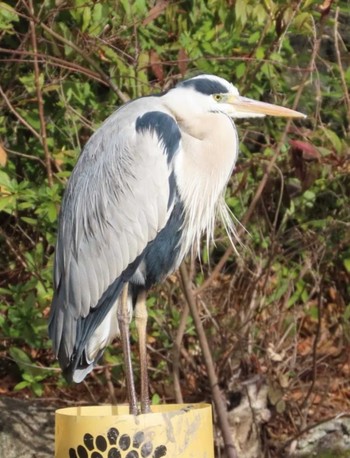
171, 431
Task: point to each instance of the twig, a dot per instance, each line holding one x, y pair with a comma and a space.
253, 305
93, 397
43, 136
217, 397
110, 385
18, 255
76, 48
26, 156
51, 60
273, 46
176, 354
123, 97
340, 66
33, 366
18, 116
217, 269
314, 347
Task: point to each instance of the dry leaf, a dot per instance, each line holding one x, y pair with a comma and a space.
182, 60
305, 346
156, 11
284, 380
3, 156
326, 6
309, 151
273, 355
156, 65
332, 293
345, 369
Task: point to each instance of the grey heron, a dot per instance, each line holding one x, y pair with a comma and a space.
146, 186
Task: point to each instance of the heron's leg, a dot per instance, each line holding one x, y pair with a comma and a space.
141, 323
124, 323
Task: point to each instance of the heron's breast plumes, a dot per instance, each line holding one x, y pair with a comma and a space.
203, 168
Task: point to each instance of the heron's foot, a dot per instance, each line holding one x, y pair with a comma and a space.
133, 409
145, 406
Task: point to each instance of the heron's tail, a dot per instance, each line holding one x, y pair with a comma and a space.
80, 342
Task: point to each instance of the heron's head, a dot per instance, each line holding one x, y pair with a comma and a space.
212, 93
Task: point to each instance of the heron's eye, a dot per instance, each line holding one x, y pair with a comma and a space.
217, 97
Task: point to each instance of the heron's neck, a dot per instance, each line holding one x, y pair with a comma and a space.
205, 162
210, 142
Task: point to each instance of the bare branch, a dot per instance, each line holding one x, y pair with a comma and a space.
340, 66
314, 347
43, 137
176, 354
208, 359
123, 97
18, 116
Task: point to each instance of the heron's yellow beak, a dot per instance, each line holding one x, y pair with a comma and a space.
243, 107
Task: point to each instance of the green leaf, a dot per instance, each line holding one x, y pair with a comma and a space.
5, 183
7, 204
31, 117
29, 83
334, 139
346, 314
31, 221
267, 69
37, 389
303, 21
97, 13
156, 399
240, 70
19, 356
347, 75
241, 11
28, 377
86, 18
313, 312
346, 263
278, 293
260, 13
260, 53
254, 37
7, 16
127, 7
21, 385
51, 212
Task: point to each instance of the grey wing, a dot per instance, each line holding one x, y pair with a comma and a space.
117, 200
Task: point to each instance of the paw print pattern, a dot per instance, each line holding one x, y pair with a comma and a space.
117, 446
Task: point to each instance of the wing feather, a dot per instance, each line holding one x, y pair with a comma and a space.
85, 292
115, 204
74, 296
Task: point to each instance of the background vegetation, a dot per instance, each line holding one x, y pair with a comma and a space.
280, 307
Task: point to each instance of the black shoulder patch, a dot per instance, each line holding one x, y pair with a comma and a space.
165, 128
205, 86
161, 254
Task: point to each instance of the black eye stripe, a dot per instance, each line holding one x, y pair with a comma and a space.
205, 86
